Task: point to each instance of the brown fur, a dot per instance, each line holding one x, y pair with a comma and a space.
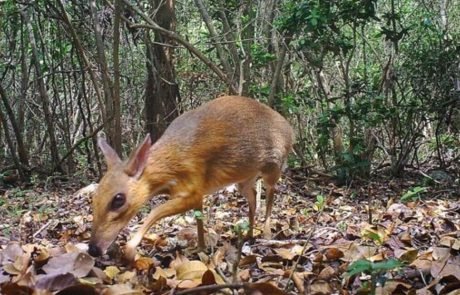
227, 140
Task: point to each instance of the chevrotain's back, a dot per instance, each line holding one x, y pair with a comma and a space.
230, 137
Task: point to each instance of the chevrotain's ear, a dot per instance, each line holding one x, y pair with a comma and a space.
138, 159
110, 155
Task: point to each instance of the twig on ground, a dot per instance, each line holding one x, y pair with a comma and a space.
429, 177
294, 267
238, 257
278, 243
211, 288
42, 228
221, 273
298, 282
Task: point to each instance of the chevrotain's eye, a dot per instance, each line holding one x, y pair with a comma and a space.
118, 201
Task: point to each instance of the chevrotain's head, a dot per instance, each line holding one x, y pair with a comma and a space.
116, 201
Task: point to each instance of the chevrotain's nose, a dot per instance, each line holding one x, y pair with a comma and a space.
94, 250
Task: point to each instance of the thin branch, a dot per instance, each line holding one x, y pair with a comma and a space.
80, 141
84, 58
214, 36
276, 76
170, 34
230, 39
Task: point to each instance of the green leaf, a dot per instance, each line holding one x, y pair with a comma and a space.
198, 214
386, 265
320, 202
373, 236
413, 193
241, 226
366, 266
359, 266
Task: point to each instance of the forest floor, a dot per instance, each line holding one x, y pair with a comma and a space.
381, 236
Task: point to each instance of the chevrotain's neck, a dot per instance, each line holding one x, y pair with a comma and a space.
161, 170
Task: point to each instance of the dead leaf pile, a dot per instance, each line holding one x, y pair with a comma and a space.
326, 240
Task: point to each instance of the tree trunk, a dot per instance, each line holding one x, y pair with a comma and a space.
43, 94
162, 92
276, 84
151, 24
116, 123
247, 37
22, 160
114, 133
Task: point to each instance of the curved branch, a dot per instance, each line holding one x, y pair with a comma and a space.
170, 34
214, 36
77, 144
